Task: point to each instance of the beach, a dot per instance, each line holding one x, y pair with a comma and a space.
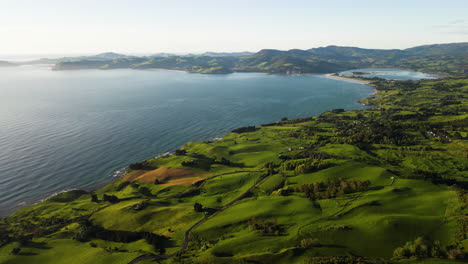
337, 77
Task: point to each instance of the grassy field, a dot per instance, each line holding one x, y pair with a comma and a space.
342, 187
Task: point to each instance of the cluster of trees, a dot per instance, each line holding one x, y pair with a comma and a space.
88, 230
332, 188
180, 152
222, 161
374, 130
244, 129
94, 198
205, 162
424, 248
266, 227
145, 191
303, 165
145, 165
310, 243
110, 198
435, 178
35, 227
198, 207
343, 260
189, 163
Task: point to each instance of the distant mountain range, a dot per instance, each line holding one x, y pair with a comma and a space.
448, 59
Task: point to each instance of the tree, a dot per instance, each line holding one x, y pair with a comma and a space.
455, 253
145, 191
15, 251
94, 198
198, 207
401, 253
110, 198
145, 165
180, 152
310, 242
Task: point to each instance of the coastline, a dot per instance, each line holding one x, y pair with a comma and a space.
362, 101
118, 173
343, 78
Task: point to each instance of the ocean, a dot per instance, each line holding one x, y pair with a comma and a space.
62, 130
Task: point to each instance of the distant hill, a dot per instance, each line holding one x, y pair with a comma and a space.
447, 59
452, 49
162, 54
110, 55
227, 54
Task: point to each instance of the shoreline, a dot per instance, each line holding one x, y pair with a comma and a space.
343, 78
118, 173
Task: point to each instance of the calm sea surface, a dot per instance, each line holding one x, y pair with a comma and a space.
75, 129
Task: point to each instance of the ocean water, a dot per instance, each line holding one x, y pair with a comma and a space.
76, 129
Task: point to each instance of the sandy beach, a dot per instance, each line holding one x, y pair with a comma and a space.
337, 77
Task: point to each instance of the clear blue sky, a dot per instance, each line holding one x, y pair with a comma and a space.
147, 26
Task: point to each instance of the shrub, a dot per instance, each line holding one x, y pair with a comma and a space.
198, 207
94, 198
15, 251
310, 242
265, 227
180, 152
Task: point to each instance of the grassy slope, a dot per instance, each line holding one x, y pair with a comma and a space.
389, 145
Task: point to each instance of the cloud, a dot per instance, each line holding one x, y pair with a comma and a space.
458, 27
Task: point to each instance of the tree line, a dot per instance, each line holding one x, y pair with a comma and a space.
332, 188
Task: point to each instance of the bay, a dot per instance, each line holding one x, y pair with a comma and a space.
62, 130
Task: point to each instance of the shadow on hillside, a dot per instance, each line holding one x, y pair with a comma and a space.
38, 245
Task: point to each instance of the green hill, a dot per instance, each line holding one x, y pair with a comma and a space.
445, 59
384, 185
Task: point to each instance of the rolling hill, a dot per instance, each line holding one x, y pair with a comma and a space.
445, 59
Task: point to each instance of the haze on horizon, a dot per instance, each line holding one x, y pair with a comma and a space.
178, 26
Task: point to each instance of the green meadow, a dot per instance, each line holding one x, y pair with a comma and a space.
384, 185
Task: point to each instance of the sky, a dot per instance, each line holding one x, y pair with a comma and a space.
183, 26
